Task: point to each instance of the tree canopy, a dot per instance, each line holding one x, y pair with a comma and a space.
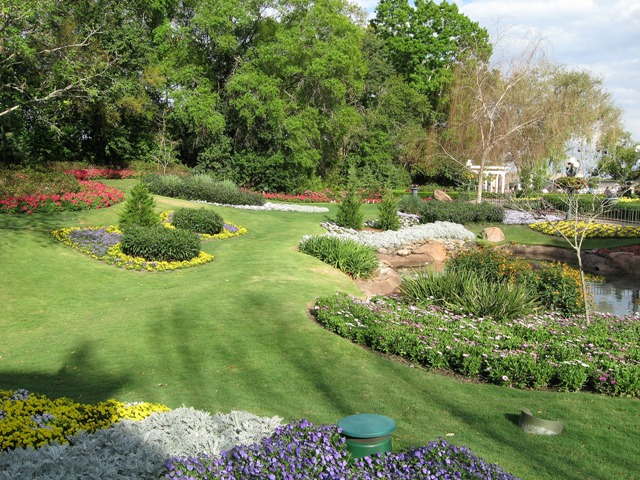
278, 95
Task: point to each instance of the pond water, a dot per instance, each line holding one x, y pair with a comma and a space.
617, 296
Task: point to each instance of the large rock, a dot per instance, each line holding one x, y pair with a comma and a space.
442, 196
435, 250
493, 234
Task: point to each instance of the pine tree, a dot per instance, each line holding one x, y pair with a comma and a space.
349, 214
388, 212
139, 208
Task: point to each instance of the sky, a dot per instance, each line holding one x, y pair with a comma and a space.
601, 36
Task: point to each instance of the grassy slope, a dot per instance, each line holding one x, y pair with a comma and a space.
234, 334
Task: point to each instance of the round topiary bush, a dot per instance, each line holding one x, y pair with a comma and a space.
160, 244
198, 220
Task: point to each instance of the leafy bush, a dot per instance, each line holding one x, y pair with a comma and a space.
388, 213
349, 256
139, 208
158, 243
531, 351
198, 220
470, 292
461, 212
349, 214
410, 204
201, 187
558, 287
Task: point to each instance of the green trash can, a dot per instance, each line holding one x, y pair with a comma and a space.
367, 434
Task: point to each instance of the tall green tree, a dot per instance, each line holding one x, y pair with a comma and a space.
293, 101
425, 40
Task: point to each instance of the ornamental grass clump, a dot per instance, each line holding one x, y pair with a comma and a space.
471, 292
555, 285
348, 256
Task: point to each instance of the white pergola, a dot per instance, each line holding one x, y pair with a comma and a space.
495, 177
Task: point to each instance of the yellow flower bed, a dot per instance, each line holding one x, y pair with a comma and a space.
593, 230
103, 244
33, 420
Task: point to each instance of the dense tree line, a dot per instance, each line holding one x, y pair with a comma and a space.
278, 95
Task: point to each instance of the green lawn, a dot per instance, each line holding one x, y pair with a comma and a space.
234, 334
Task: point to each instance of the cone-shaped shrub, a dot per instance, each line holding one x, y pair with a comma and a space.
349, 214
388, 212
139, 208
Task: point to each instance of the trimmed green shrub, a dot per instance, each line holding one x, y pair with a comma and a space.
201, 187
388, 212
461, 212
410, 204
349, 214
160, 244
198, 220
139, 208
349, 256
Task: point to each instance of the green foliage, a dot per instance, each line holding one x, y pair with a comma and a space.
426, 39
349, 212
353, 258
139, 208
160, 244
410, 204
462, 213
556, 286
201, 187
471, 292
198, 220
388, 212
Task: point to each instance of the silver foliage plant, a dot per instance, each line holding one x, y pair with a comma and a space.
137, 449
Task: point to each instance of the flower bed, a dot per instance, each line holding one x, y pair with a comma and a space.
535, 352
93, 195
100, 173
303, 450
193, 444
593, 230
32, 420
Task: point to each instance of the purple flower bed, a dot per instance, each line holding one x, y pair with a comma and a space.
301, 450
94, 241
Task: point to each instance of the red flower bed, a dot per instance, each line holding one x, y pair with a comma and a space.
92, 195
99, 173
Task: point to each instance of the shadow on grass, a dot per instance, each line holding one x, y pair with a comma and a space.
78, 378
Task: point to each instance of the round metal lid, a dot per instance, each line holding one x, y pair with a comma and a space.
366, 425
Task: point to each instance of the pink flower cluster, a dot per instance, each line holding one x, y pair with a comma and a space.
98, 173
93, 195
